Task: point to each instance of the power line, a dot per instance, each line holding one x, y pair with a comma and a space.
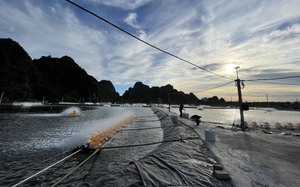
277, 83
290, 77
151, 45
214, 87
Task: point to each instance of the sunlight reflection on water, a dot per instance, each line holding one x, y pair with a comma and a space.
229, 116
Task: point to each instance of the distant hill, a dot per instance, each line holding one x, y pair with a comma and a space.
24, 79
15, 71
107, 92
141, 93
62, 77
57, 79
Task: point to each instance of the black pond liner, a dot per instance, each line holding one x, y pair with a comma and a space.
182, 159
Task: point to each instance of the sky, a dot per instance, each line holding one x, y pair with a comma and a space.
261, 37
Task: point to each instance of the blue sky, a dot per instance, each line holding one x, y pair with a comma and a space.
262, 37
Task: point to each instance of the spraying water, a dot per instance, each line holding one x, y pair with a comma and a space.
82, 136
71, 112
42, 132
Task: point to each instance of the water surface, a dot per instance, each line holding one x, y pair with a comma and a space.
27, 139
230, 116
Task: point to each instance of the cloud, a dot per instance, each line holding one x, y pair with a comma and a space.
126, 5
54, 31
131, 20
262, 37
290, 32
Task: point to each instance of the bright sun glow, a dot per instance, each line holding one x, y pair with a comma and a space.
230, 68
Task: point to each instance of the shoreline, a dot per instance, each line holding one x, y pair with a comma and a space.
39, 106
153, 150
254, 157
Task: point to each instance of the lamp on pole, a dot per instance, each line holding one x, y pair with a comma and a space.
238, 83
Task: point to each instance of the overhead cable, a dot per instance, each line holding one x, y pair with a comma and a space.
214, 87
143, 41
294, 84
277, 78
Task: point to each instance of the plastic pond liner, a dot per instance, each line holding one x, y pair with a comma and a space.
181, 159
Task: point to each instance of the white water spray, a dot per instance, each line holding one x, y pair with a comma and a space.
71, 112
81, 137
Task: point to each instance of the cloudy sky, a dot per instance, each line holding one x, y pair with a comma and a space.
262, 37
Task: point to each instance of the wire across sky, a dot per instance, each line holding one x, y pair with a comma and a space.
147, 43
191, 45
175, 56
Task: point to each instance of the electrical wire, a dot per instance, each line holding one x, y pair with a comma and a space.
213, 87
293, 84
277, 78
143, 41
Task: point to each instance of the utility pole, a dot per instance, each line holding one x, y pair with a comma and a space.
268, 100
169, 102
1, 96
238, 83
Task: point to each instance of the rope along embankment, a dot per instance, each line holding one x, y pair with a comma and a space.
119, 147
146, 128
97, 150
30, 167
151, 143
68, 174
45, 169
127, 120
112, 131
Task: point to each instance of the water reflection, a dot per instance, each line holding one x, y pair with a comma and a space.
230, 116
38, 132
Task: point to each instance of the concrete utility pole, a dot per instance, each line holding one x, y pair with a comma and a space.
238, 83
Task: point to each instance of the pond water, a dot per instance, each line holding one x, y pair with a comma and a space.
30, 138
230, 116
